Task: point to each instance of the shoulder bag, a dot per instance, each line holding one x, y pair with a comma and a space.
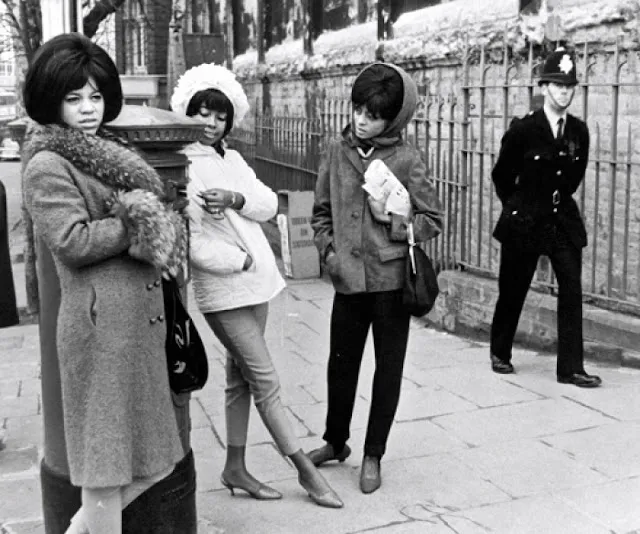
186, 357
421, 283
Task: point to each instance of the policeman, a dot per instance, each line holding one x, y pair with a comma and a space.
542, 161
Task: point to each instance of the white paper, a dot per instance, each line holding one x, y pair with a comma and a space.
383, 186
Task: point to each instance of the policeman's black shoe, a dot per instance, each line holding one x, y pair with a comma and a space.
500, 366
582, 380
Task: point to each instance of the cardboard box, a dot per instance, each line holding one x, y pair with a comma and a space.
299, 253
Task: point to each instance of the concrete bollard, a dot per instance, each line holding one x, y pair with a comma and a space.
8, 308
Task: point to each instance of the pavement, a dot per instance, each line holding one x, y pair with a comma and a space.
471, 451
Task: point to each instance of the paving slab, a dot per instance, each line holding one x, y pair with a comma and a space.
614, 505
533, 515
516, 421
514, 467
609, 449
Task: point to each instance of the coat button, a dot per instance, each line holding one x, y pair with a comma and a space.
160, 318
536, 157
559, 173
152, 320
355, 253
355, 214
149, 287
156, 283
555, 210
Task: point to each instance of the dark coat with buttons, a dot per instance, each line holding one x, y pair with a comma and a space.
535, 177
369, 256
102, 330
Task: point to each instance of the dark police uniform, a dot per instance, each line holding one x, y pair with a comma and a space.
535, 177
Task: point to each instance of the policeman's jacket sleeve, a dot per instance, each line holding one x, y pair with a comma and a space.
510, 161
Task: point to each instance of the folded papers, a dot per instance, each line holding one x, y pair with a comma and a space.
383, 186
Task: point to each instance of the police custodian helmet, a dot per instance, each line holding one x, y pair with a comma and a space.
559, 67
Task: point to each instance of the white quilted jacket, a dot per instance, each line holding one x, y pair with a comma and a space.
218, 248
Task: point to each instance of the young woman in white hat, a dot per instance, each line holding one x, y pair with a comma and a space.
235, 276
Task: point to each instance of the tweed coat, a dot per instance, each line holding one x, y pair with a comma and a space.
535, 177
119, 421
370, 256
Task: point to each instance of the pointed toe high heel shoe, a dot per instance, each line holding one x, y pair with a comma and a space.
261, 493
326, 453
328, 499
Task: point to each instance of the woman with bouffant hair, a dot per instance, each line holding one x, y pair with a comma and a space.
104, 237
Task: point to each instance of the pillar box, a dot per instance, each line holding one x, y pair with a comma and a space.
170, 504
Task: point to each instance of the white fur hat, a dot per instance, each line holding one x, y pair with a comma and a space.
210, 76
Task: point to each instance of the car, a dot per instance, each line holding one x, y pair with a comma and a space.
9, 150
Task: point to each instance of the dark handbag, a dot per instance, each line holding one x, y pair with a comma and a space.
186, 358
421, 283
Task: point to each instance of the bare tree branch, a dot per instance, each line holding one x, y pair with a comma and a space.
100, 11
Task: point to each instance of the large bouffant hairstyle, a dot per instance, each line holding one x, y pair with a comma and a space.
380, 89
213, 100
64, 64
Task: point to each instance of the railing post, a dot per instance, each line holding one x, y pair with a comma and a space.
465, 156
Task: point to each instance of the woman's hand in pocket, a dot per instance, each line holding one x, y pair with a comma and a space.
248, 262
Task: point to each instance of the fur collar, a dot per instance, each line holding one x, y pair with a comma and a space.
140, 195
106, 160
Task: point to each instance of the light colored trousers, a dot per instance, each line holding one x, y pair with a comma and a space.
250, 371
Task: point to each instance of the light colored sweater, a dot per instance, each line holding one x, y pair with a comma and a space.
219, 247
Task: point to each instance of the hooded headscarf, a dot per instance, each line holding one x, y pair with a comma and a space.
392, 134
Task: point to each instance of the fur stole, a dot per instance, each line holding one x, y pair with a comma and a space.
139, 199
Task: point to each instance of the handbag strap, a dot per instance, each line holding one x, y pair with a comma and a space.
412, 243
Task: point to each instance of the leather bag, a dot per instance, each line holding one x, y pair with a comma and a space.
421, 283
186, 357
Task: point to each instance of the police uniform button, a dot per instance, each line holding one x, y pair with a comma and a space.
149, 287
577, 158
152, 320
559, 173
355, 214
536, 157
514, 212
156, 283
355, 253
160, 318
555, 210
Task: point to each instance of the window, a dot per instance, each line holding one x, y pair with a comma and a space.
136, 37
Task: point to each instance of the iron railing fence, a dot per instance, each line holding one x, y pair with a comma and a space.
459, 138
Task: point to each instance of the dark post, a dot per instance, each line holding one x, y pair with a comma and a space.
307, 28
8, 309
260, 31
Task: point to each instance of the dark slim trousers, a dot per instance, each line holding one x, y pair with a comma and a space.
351, 317
517, 268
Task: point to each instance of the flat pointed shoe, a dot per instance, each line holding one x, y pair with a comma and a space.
370, 479
262, 493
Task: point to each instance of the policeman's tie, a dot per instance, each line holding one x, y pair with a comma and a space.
559, 131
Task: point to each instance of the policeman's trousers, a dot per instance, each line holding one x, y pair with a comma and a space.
517, 268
